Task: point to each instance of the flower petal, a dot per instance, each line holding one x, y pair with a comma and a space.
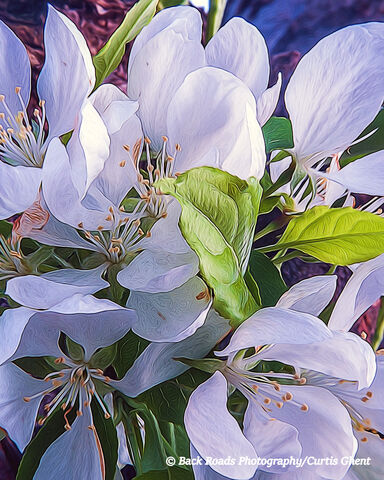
156, 71
47, 290
15, 71
12, 324
75, 454
267, 103
156, 364
345, 356
364, 175
274, 325
364, 287
203, 471
19, 188
239, 48
61, 195
325, 428
170, 316
271, 438
68, 75
220, 112
311, 295
16, 415
155, 272
213, 431
328, 107
183, 20
82, 318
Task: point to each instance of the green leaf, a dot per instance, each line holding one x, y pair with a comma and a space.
52, 429
154, 454
174, 473
5, 228
340, 236
209, 365
219, 213
278, 134
267, 277
128, 349
39, 367
109, 57
3, 434
373, 143
215, 17
106, 432
103, 357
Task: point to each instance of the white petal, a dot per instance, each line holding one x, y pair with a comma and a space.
239, 48
47, 290
364, 175
61, 195
75, 454
336, 91
220, 112
68, 75
88, 148
213, 431
156, 71
16, 415
185, 21
325, 429
274, 325
170, 316
165, 234
203, 471
19, 187
12, 324
156, 364
267, 103
345, 356
311, 295
155, 272
364, 287
15, 71
82, 318
271, 438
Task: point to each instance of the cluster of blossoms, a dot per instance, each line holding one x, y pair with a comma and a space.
140, 322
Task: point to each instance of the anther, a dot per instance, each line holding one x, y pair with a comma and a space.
267, 401
147, 140
279, 404
364, 439
303, 381
122, 164
107, 415
127, 148
369, 394
288, 396
59, 360
79, 413
363, 335
2, 98
57, 383
365, 399
304, 407
26, 399
178, 147
165, 139
100, 227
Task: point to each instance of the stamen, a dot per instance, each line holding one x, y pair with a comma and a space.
304, 407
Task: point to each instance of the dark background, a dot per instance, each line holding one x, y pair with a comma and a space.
290, 27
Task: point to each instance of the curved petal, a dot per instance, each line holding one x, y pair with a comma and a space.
203, 471
183, 20
156, 364
329, 108
88, 148
47, 290
364, 287
345, 356
15, 71
213, 431
364, 175
239, 48
267, 103
154, 272
61, 195
19, 187
324, 428
68, 75
165, 234
274, 325
371, 449
311, 295
12, 324
75, 454
270, 437
170, 316
220, 112
82, 318
16, 415
156, 72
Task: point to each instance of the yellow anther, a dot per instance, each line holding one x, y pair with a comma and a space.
364, 439
147, 140
122, 164
127, 148
303, 381
279, 404
178, 147
267, 401
365, 399
304, 407
369, 394
165, 139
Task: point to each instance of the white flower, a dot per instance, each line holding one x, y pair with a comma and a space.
64, 83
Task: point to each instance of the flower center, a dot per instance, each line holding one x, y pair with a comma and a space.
22, 142
155, 167
74, 384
